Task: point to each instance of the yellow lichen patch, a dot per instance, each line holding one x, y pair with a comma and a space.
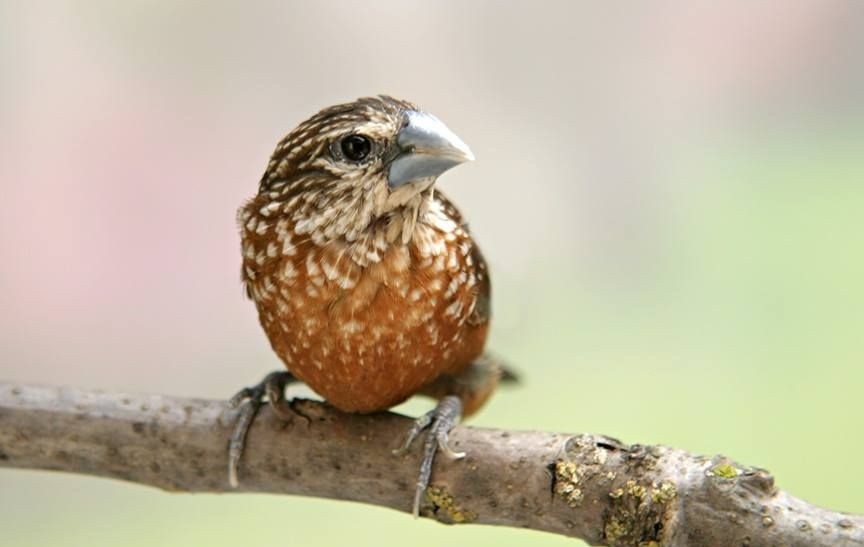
664, 492
637, 513
442, 499
599, 456
615, 530
724, 470
567, 478
635, 490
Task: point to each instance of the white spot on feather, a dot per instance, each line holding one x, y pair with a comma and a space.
248, 250
288, 270
268, 209
452, 260
312, 268
352, 327
454, 309
451, 287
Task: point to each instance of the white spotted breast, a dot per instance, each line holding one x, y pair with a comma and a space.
367, 323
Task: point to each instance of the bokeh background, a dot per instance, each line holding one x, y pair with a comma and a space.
670, 194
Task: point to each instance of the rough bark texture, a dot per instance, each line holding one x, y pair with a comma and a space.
586, 486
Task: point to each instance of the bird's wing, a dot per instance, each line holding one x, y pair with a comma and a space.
483, 306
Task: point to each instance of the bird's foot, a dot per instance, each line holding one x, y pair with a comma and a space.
440, 421
249, 400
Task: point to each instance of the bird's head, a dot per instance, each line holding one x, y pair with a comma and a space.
373, 161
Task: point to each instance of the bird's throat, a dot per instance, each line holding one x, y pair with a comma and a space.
401, 220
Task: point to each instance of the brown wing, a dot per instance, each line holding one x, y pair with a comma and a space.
483, 308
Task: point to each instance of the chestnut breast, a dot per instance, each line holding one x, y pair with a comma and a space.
367, 323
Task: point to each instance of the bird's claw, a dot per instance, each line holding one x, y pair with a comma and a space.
242, 396
249, 400
440, 421
421, 423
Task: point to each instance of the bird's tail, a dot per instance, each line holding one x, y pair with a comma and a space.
509, 376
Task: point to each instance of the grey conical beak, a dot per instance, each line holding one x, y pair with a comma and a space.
426, 148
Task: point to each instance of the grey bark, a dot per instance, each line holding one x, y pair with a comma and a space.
587, 486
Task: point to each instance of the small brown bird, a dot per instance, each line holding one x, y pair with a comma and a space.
366, 279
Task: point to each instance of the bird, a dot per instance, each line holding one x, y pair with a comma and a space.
366, 279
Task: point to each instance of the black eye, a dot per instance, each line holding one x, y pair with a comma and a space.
356, 147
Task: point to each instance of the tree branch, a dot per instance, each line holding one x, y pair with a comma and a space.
586, 486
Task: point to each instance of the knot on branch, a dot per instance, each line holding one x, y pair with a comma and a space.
637, 501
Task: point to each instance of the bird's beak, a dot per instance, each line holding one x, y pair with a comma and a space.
424, 149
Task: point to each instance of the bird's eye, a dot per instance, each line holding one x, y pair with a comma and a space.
356, 147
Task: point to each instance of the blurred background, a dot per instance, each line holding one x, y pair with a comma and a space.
671, 197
